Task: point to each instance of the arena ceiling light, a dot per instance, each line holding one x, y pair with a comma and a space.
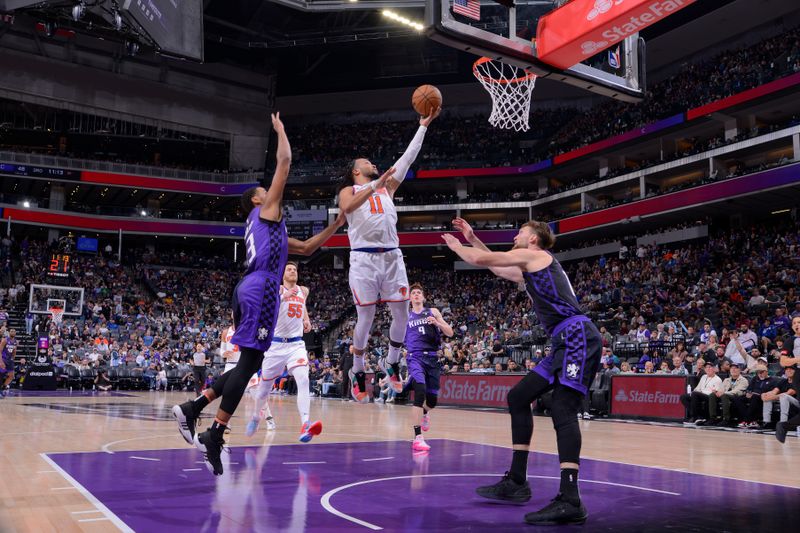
388, 13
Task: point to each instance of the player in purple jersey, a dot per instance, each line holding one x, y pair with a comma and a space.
255, 302
567, 371
423, 339
8, 348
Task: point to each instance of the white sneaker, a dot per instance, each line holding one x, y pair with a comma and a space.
379, 400
390, 400
271, 426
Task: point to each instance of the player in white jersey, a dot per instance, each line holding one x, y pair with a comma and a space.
288, 351
377, 271
230, 352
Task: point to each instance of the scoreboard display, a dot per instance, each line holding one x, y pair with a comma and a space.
59, 265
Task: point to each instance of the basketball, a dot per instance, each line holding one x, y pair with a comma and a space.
426, 99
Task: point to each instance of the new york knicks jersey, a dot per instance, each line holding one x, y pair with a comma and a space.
552, 295
421, 336
374, 223
228, 346
291, 314
266, 244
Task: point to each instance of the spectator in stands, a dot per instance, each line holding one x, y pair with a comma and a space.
625, 368
696, 403
678, 368
705, 336
101, 381
754, 410
732, 387
788, 398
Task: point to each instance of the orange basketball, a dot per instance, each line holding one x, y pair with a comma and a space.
426, 99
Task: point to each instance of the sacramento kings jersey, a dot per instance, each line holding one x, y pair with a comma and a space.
421, 336
290, 316
552, 295
8, 350
374, 223
266, 244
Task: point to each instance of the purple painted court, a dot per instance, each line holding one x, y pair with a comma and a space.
367, 486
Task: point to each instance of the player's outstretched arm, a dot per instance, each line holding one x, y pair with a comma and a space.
510, 273
520, 258
410, 155
311, 245
350, 201
441, 323
271, 210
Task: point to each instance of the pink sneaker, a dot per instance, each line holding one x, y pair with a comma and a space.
426, 422
420, 445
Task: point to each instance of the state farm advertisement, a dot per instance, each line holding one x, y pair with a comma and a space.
580, 29
476, 390
648, 396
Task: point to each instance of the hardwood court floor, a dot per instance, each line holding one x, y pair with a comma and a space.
35, 494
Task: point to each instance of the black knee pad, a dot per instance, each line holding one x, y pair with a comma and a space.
567, 404
419, 394
431, 400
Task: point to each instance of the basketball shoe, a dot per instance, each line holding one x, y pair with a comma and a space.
310, 430
506, 490
426, 422
212, 448
420, 445
187, 421
357, 381
558, 511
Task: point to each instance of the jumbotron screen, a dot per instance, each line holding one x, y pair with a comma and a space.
176, 26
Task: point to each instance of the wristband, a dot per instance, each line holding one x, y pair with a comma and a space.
373, 185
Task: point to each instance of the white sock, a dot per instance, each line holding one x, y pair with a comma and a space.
300, 374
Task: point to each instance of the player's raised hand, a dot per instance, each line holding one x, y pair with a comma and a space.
459, 224
426, 121
381, 182
451, 241
277, 123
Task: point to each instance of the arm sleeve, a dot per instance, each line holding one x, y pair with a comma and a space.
404, 163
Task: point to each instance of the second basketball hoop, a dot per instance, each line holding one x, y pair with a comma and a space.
510, 88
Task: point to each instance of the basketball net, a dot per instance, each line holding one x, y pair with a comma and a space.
57, 315
511, 89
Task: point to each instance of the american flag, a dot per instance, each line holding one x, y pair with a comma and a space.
468, 8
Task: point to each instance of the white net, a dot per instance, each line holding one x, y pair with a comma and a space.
511, 89
57, 315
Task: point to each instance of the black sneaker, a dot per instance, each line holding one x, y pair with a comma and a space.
506, 490
212, 449
558, 511
780, 431
187, 422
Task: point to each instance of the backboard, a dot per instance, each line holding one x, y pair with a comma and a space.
616, 69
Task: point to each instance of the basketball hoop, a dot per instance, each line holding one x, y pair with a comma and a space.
57, 315
511, 89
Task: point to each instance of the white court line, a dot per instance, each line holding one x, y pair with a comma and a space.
63, 488
46, 471
684, 471
378, 459
325, 501
192, 469
305, 463
86, 512
94, 519
467, 454
89, 496
106, 446
143, 458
